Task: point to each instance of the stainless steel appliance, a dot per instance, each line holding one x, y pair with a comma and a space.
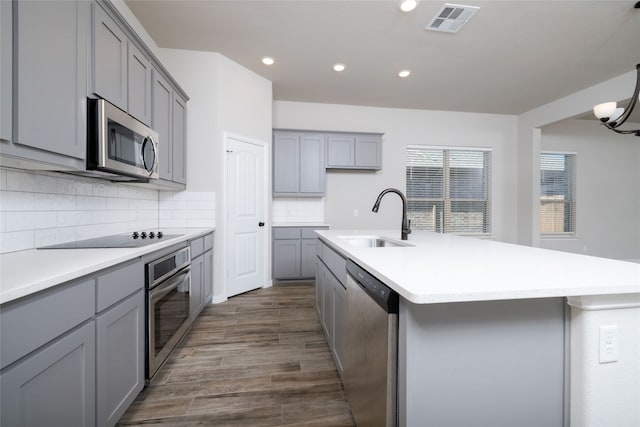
133, 240
371, 353
168, 290
119, 147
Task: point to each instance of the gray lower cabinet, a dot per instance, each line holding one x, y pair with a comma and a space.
331, 298
49, 106
298, 164
53, 386
294, 253
120, 355
201, 290
354, 151
6, 72
74, 355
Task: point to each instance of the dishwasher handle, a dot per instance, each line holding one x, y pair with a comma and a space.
383, 295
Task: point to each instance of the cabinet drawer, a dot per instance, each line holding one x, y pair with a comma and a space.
286, 233
336, 263
117, 284
27, 325
208, 242
197, 247
310, 233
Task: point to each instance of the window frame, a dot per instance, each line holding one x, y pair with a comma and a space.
573, 191
447, 201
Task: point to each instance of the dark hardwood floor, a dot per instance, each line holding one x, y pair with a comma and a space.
259, 359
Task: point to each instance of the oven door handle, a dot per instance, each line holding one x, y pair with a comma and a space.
169, 285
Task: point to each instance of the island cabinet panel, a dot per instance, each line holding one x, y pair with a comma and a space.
120, 358
53, 387
50, 81
331, 298
497, 363
109, 59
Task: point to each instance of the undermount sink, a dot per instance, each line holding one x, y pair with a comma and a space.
373, 242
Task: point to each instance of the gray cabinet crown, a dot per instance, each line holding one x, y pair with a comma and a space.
45, 84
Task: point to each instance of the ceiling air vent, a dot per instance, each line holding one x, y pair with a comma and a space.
451, 17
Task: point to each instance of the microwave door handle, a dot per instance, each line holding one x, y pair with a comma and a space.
171, 284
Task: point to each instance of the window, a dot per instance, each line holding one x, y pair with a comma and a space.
557, 193
449, 191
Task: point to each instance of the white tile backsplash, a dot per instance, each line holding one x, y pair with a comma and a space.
187, 209
298, 209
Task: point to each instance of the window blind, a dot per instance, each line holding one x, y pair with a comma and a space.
557, 193
448, 190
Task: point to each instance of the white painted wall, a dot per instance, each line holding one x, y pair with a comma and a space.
347, 191
605, 394
224, 98
607, 185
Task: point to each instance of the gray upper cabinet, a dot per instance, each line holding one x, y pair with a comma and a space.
161, 118
354, 151
109, 44
49, 103
178, 132
139, 84
298, 164
6, 72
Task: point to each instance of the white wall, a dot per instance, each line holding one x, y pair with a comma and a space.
607, 185
224, 98
347, 191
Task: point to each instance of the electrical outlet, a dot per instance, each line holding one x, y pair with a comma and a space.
608, 344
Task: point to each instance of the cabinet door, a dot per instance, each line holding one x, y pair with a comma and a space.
139, 85
53, 387
179, 129
208, 277
340, 151
327, 304
6, 72
308, 259
161, 119
368, 151
197, 279
319, 288
109, 59
286, 259
312, 164
286, 163
339, 301
52, 83
120, 355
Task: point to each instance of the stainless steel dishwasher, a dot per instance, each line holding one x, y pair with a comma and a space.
371, 355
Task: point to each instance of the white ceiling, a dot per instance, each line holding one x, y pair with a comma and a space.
511, 56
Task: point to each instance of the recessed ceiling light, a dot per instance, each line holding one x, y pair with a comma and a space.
267, 60
338, 67
408, 5
404, 73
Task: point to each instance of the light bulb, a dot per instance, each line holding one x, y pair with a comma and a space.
408, 5
267, 60
404, 73
339, 67
604, 110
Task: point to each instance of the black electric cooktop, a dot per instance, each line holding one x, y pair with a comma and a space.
133, 240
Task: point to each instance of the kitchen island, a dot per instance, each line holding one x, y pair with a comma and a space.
500, 334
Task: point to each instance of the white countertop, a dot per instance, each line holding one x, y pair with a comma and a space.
26, 272
444, 268
299, 224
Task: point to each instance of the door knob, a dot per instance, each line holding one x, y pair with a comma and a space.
261, 224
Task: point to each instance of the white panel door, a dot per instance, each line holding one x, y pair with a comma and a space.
245, 216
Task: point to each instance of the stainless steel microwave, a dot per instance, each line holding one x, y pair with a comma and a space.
119, 147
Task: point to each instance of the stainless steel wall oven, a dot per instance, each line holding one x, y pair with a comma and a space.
168, 290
